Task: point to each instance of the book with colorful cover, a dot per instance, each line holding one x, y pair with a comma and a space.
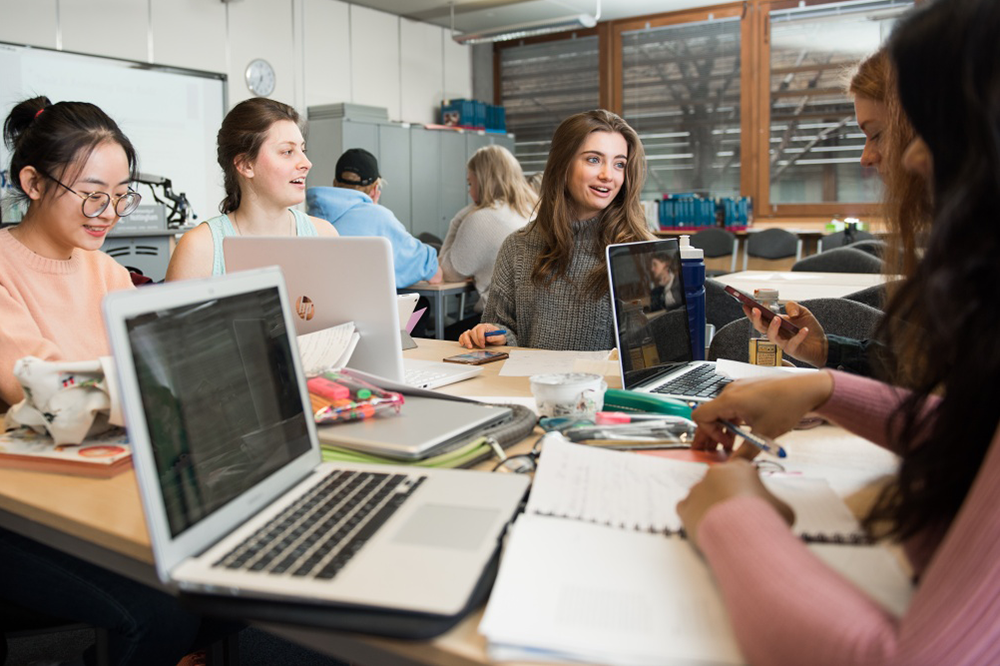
103, 456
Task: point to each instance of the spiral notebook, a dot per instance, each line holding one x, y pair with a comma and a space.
597, 569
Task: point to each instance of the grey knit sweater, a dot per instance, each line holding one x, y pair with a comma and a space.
559, 315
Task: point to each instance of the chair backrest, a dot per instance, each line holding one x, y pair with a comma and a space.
838, 316
428, 238
840, 260
772, 244
842, 238
720, 307
716, 242
872, 246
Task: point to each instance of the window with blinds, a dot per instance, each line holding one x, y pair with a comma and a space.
815, 142
681, 93
542, 84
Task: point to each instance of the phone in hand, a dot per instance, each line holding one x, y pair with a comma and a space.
477, 357
766, 314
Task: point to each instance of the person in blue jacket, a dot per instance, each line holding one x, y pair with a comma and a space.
352, 207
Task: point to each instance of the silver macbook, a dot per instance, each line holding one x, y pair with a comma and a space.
336, 280
651, 323
424, 427
236, 499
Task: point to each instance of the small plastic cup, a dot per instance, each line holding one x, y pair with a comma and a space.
568, 394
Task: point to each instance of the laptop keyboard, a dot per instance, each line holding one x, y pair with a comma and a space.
421, 376
319, 534
699, 382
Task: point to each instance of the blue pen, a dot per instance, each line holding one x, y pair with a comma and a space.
761, 442
490, 334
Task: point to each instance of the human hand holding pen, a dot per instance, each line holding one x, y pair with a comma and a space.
481, 335
770, 407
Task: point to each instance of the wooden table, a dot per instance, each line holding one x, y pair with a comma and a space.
100, 520
436, 294
801, 285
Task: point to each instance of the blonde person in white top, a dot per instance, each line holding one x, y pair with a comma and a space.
503, 202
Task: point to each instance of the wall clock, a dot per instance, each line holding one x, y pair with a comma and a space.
260, 77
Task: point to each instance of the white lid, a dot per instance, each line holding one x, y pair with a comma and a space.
688, 251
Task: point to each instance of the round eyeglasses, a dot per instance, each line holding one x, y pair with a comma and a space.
96, 203
525, 463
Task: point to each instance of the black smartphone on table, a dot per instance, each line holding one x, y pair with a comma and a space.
477, 357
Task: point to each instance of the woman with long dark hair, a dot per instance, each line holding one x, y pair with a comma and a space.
550, 282
942, 323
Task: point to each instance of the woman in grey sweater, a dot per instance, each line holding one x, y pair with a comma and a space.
550, 285
502, 203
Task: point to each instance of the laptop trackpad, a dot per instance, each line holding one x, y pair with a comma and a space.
444, 526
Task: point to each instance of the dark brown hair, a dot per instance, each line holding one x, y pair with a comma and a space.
52, 137
242, 134
622, 221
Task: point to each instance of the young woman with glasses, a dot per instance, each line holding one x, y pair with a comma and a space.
73, 165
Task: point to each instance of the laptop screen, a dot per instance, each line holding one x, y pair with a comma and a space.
650, 312
221, 399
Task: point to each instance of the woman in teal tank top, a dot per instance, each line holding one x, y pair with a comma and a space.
262, 155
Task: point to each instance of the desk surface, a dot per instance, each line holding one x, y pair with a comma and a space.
447, 287
801, 285
101, 520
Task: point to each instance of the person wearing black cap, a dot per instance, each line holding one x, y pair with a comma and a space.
353, 209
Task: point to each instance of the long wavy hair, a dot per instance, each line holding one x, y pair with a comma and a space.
501, 179
622, 221
947, 59
243, 132
906, 201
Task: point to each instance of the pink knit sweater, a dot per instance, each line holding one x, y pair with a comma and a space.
798, 611
51, 308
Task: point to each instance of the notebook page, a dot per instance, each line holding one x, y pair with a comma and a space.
559, 590
641, 492
610, 487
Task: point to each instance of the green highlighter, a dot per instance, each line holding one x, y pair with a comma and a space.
622, 400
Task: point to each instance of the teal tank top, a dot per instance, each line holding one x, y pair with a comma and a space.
221, 227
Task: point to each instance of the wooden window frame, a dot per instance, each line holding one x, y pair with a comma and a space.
755, 91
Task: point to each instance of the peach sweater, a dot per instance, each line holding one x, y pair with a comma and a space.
51, 308
813, 616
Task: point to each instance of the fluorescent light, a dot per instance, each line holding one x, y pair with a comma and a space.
530, 29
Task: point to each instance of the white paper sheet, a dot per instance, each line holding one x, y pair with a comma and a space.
740, 370
528, 362
328, 348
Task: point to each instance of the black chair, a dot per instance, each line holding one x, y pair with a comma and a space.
840, 260
428, 238
716, 242
18, 622
720, 307
872, 246
842, 239
772, 244
838, 316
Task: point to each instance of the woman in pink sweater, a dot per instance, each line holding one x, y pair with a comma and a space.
942, 324
73, 165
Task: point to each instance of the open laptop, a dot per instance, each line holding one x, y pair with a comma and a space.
236, 499
654, 340
336, 280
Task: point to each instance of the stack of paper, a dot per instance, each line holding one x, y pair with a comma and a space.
328, 349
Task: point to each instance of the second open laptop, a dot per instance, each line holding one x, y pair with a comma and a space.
237, 501
335, 280
654, 340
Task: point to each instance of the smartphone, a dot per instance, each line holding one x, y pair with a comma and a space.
766, 314
478, 357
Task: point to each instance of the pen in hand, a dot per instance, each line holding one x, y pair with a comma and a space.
763, 443
490, 334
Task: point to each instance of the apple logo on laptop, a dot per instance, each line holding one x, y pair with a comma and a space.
304, 307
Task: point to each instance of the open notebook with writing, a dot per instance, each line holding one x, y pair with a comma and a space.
596, 569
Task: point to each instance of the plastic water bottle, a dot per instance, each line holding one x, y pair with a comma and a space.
693, 270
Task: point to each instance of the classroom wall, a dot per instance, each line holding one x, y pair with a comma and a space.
323, 51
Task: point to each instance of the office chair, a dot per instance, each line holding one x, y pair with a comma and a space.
720, 307
428, 238
842, 239
772, 244
838, 316
18, 622
840, 260
716, 242
872, 246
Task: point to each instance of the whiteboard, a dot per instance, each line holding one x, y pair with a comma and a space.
171, 115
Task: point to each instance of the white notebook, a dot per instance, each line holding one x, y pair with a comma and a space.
596, 570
